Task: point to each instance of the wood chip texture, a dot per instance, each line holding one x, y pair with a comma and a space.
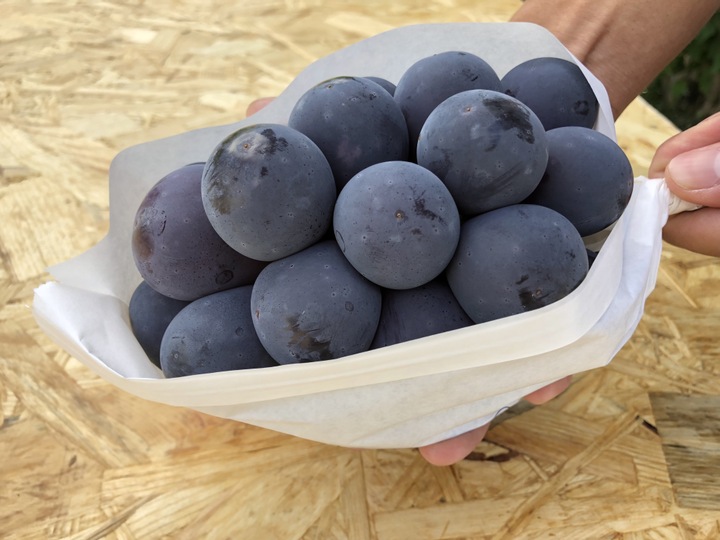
618, 455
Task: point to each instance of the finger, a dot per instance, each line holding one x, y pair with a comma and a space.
453, 450
698, 231
703, 134
694, 176
258, 104
546, 393
458, 448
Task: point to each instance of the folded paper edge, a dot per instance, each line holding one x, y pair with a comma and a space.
150, 386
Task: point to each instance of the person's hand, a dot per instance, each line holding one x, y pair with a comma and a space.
458, 448
690, 164
258, 104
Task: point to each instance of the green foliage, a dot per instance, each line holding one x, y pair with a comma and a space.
688, 90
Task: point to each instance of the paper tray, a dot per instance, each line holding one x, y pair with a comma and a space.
406, 395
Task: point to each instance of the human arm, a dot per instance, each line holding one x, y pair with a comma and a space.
690, 164
624, 75
623, 43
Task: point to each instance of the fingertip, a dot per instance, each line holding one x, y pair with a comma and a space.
257, 105
551, 391
453, 450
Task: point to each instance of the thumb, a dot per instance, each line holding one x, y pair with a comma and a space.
694, 175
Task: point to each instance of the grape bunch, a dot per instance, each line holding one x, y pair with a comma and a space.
382, 212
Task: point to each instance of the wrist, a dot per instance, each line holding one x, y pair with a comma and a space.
584, 36
624, 44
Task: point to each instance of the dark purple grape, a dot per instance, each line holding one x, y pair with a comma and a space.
431, 80
397, 224
387, 85
592, 255
150, 314
313, 306
175, 248
556, 90
268, 191
515, 259
354, 121
416, 313
214, 333
588, 179
489, 149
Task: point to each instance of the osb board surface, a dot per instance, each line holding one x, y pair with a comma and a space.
689, 427
79, 81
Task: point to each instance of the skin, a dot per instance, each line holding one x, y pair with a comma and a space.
258, 104
690, 164
600, 34
626, 44
601, 42
458, 448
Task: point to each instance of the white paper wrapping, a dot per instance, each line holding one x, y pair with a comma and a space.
406, 395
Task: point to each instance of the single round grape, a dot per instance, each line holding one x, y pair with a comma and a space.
176, 249
489, 149
150, 314
588, 179
555, 89
313, 306
214, 333
433, 79
354, 121
387, 85
268, 191
419, 312
515, 259
397, 224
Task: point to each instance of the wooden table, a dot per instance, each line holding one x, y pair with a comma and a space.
629, 451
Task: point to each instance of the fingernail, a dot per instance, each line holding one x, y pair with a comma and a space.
697, 169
